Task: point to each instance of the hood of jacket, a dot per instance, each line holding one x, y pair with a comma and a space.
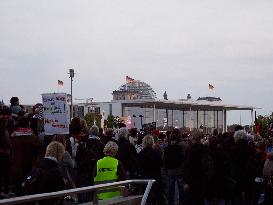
47, 163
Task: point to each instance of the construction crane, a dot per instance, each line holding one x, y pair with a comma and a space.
87, 100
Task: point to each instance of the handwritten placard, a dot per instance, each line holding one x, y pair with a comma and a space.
56, 119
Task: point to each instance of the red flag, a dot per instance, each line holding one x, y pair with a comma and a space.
129, 80
211, 87
60, 83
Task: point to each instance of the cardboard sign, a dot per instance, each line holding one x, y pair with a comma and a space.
56, 120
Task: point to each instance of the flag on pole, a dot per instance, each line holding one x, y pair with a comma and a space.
211, 87
60, 83
129, 80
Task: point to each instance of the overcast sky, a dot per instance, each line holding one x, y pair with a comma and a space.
178, 46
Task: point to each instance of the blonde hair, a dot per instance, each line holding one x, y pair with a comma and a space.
123, 133
240, 135
110, 149
55, 149
148, 141
94, 130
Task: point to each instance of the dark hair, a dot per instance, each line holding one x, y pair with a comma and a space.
215, 132
59, 138
139, 139
134, 132
75, 127
162, 136
37, 105
120, 125
238, 127
14, 100
176, 134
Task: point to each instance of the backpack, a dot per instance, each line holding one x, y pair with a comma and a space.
86, 158
32, 184
174, 156
207, 166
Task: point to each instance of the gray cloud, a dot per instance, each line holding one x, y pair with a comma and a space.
178, 46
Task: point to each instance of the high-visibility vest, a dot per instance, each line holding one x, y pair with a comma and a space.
106, 173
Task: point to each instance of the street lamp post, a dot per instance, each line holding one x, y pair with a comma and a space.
141, 116
134, 120
71, 76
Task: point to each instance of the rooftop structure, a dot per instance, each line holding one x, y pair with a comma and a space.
210, 99
137, 101
133, 90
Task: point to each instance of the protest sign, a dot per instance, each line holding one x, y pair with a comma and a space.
56, 119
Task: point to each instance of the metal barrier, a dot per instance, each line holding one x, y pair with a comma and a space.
52, 195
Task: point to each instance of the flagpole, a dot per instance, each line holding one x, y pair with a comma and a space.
71, 76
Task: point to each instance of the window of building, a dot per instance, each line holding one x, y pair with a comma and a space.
97, 110
111, 109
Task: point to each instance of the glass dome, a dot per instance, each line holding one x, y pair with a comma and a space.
145, 91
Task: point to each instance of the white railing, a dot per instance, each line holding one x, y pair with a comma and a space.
52, 195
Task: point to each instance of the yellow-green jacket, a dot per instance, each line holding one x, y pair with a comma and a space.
106, 173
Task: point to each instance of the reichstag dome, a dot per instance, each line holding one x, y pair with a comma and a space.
134, 90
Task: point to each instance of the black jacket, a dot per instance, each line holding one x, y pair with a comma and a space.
174, 155
150, 163
197, 162
52, 178
128, 156
88, 152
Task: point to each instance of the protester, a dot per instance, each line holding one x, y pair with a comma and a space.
14, 105
268, 179
66, 164
174, 156
5, 151
138, 144
133, 136
192, 168
26, 149
36, 121
218, 190
150, 168
198, 171
109, 134
127, 153
243, 169
75, 130
47, 176
88, 152
108, 169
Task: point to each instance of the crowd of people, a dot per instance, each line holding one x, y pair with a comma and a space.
190, 168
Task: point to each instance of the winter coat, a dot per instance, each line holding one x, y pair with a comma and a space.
174, 156
197, 163
88, 152
127, 155
218, 186
244, 167
24, 154
150, 163
52, 178
67, 164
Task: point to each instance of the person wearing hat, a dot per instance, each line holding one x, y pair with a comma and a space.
107, 170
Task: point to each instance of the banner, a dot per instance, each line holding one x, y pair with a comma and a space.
56, 120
